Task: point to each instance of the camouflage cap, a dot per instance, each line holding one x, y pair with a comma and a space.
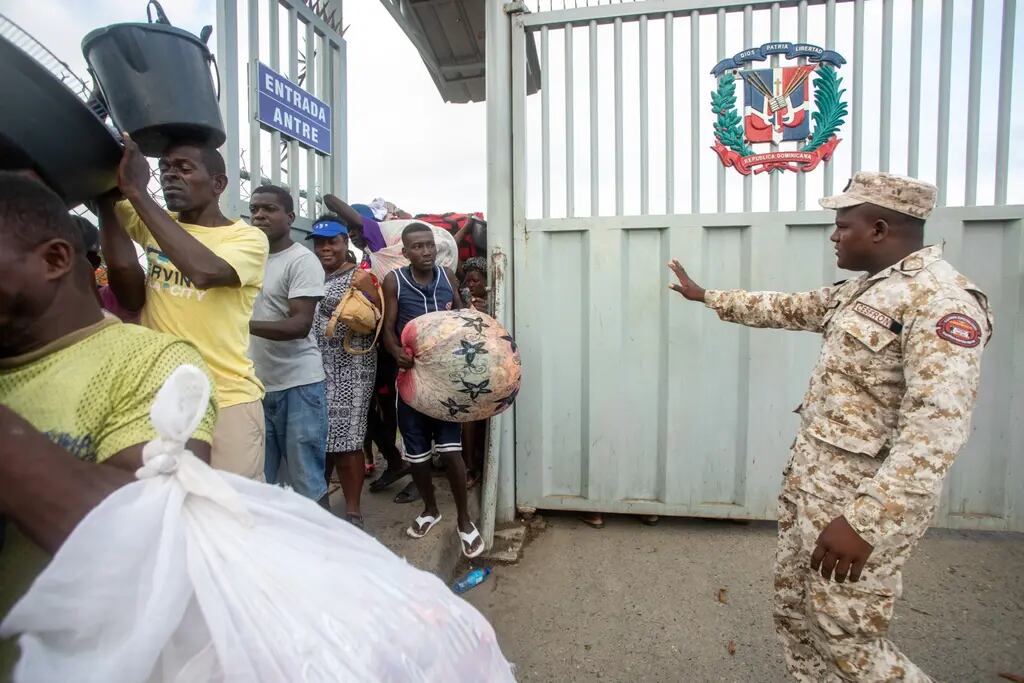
904, 195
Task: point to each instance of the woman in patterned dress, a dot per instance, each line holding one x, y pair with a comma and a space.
350, 378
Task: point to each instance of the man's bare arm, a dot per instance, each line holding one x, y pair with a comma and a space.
295, 326
348, 215
47, 491
126, 277
392, 343
200, 265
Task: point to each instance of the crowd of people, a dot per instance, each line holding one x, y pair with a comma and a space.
296, 396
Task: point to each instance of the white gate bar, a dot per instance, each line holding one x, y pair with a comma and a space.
255, 163
645, 205
974, 103
311, 155
857, 107
324, 68
913, 134
830, 44
570, 130
518, 120
1005, 95
748, 38
619, 175
670, 115
773, 177
506, 141
945, 69
884, 134
227, 47
545, 126
275, 64
595, 175
801, 33
721, 54
694, 111
308, 14
339, 86
293, 73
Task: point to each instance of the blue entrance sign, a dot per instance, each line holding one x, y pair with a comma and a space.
287, 108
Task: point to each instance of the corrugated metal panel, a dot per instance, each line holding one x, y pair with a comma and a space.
650, 404
454, 31
449, 35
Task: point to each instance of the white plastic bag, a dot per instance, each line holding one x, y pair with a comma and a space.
191, 574
390, 257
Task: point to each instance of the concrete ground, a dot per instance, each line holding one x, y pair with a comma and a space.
633, 603
438, 552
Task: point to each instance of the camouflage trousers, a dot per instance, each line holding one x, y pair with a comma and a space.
836, 631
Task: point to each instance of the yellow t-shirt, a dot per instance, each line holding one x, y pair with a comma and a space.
215, 320
89, 392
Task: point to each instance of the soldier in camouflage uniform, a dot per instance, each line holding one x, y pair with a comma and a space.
888, 408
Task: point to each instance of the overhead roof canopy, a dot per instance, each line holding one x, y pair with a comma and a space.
449, 35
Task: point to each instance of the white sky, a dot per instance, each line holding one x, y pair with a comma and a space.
407, 145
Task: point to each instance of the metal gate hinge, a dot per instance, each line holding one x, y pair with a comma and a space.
515, 7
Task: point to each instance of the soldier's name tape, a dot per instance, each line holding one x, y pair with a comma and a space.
878, 317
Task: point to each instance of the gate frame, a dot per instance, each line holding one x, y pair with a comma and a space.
507, 28
327, 81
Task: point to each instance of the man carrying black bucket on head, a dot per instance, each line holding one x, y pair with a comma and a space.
204, 272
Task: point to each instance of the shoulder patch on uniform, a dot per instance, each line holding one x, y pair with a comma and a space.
912, 263
877, 316
959, 329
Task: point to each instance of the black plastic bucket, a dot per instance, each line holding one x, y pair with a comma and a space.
156, 82
44, 126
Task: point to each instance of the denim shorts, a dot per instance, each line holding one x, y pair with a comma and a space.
296, 421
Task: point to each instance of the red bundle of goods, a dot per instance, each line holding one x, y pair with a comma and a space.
453, 222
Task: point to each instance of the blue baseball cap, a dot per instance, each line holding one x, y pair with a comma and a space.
364, 211
327, 229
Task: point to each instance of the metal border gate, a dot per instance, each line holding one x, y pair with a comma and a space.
634, 402
302, 40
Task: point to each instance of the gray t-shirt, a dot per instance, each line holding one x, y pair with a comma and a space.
292, 273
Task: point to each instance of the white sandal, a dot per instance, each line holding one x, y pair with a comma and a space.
426, 523
468, 540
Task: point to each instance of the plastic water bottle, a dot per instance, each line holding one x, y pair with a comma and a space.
471, 579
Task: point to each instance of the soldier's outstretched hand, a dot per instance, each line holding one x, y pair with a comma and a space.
687, 287
840, 549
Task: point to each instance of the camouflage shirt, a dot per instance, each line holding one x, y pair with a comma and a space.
892, 392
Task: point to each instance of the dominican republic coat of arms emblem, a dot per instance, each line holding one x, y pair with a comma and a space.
777, 108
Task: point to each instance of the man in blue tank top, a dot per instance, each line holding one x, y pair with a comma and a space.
419, 288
